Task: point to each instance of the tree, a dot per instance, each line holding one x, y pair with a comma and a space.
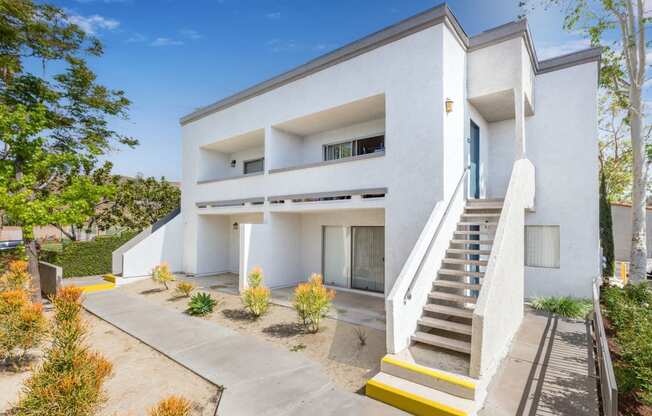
52, 127
622, 75
606, 229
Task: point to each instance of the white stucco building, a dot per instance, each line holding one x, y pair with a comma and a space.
354, 165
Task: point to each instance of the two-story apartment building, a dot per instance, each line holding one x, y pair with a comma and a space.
454, 175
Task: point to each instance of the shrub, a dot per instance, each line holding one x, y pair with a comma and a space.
201, 304
162, 274
171, 406
16, 276
22, 323
256, 296
184, 289
86, 258
311, 301
629, 311
69, 381
567, 307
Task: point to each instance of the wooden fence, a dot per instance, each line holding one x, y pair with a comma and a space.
608, 386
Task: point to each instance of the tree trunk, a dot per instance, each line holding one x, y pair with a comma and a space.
32, 258
638, 254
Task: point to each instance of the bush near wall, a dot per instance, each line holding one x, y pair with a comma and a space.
87, 258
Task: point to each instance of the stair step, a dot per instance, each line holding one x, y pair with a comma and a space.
476, 201
477, 223
403, 366
464, 241
456, 285
445, 325
465, 261
451, 297
481, 215
473, 232
442, 342
485, 207
449, 310
451, 272
417, 399
468, 251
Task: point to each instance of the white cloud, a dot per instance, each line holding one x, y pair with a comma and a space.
551, 50
191, 34
136, 38
93, 24
273, 15
166, 42
278, 45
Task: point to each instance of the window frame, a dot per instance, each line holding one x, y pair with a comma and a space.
258, 159
353, 143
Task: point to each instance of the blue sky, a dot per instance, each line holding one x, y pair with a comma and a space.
172, 57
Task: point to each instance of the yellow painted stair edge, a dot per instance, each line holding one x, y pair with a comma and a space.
412, 403
449, 378
98, 287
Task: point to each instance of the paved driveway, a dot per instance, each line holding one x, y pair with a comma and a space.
259, 378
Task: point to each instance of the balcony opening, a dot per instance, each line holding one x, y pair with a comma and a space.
346, 132
233, 157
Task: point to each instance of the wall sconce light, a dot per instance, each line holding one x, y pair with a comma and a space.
233, 163
449, 105
235, 226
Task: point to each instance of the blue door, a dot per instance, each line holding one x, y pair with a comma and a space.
474, 150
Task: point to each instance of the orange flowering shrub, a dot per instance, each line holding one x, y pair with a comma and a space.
256, 296
162, 274
16, 276
22, 323
69, 381
171, 406
312, 301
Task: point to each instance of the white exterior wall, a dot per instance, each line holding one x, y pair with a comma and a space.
409, 73
561, 143
621, 217
163, 245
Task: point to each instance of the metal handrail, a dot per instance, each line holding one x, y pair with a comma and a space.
408, 293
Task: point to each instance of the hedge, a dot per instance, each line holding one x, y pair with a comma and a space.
87, 258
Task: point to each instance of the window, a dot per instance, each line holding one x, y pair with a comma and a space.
542, 246
252, 166
354, 148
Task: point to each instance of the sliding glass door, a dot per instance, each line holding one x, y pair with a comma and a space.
336, 255
368, 259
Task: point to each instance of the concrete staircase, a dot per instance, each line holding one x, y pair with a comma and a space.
424, 385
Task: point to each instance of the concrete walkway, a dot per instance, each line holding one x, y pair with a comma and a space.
549, 370
259, 378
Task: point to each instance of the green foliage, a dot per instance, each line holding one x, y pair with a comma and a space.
87, 258
69, 381
256, 296
161, 274
606, 230
201, 304
629, 311
567, 307
312, 301
54, 126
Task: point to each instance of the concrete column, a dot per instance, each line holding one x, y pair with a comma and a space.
519, 123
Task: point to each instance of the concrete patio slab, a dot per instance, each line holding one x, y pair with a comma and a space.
259, 378
550, 370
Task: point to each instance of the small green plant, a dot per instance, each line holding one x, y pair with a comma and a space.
256, 296
312, 301
298, 347
201, 304
161, 274
171, 406
567, 306
184, 289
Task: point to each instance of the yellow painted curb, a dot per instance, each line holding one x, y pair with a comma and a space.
412, 403
97, 288
449, 378
110, 278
